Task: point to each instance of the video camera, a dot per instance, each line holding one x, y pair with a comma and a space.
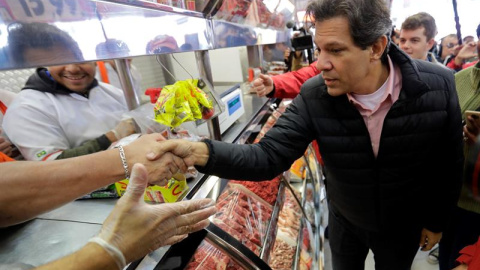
302, 42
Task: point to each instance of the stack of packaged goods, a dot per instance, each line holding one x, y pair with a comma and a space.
243, 215
285, 247
273, 119
209, 257
266, 127
276, 68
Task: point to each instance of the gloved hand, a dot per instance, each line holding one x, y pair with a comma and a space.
124, 128
136, 228
263, 85
161, 168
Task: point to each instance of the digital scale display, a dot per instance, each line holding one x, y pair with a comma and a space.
234, 104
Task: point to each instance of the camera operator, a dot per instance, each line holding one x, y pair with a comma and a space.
300, 42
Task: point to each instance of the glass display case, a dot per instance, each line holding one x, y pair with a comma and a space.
276, 224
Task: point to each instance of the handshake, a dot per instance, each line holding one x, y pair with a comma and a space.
163, 158
135, 228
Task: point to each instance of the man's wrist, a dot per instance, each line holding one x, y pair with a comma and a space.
458, 61
201, 153
90, 256
111, 136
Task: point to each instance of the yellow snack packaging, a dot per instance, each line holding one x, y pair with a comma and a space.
173, 191
175, 188
204, 102
164, 108
192, 101
181, 102
201, 97
183, 112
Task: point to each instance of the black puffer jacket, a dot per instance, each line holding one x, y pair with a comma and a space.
417, 174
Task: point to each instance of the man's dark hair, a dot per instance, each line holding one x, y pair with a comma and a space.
421, 19
22, 36
368, 19
478, 31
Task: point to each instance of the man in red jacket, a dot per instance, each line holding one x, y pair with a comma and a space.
286, 85
470, 258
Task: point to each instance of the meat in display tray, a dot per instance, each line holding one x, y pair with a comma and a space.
243, 215
285, 247
208, 256
267, 190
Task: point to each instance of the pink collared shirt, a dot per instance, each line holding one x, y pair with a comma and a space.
374, 108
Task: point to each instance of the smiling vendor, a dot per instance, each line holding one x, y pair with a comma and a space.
62, 111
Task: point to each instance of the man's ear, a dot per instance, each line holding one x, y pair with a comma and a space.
379, 47
430, 44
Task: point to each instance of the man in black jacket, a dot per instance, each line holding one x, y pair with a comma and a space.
389, 130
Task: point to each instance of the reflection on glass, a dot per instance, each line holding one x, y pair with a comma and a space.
229, 35
257, 13
36, 44
193, 5
172, 3
112, 48
234, 10
162, 44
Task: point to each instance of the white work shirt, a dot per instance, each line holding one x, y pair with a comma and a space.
6, 97
42, 125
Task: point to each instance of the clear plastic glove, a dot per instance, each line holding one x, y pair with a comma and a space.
137, 228
159, 169
125, 128
263, 85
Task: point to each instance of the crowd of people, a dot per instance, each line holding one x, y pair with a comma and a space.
388, 119
416, 38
